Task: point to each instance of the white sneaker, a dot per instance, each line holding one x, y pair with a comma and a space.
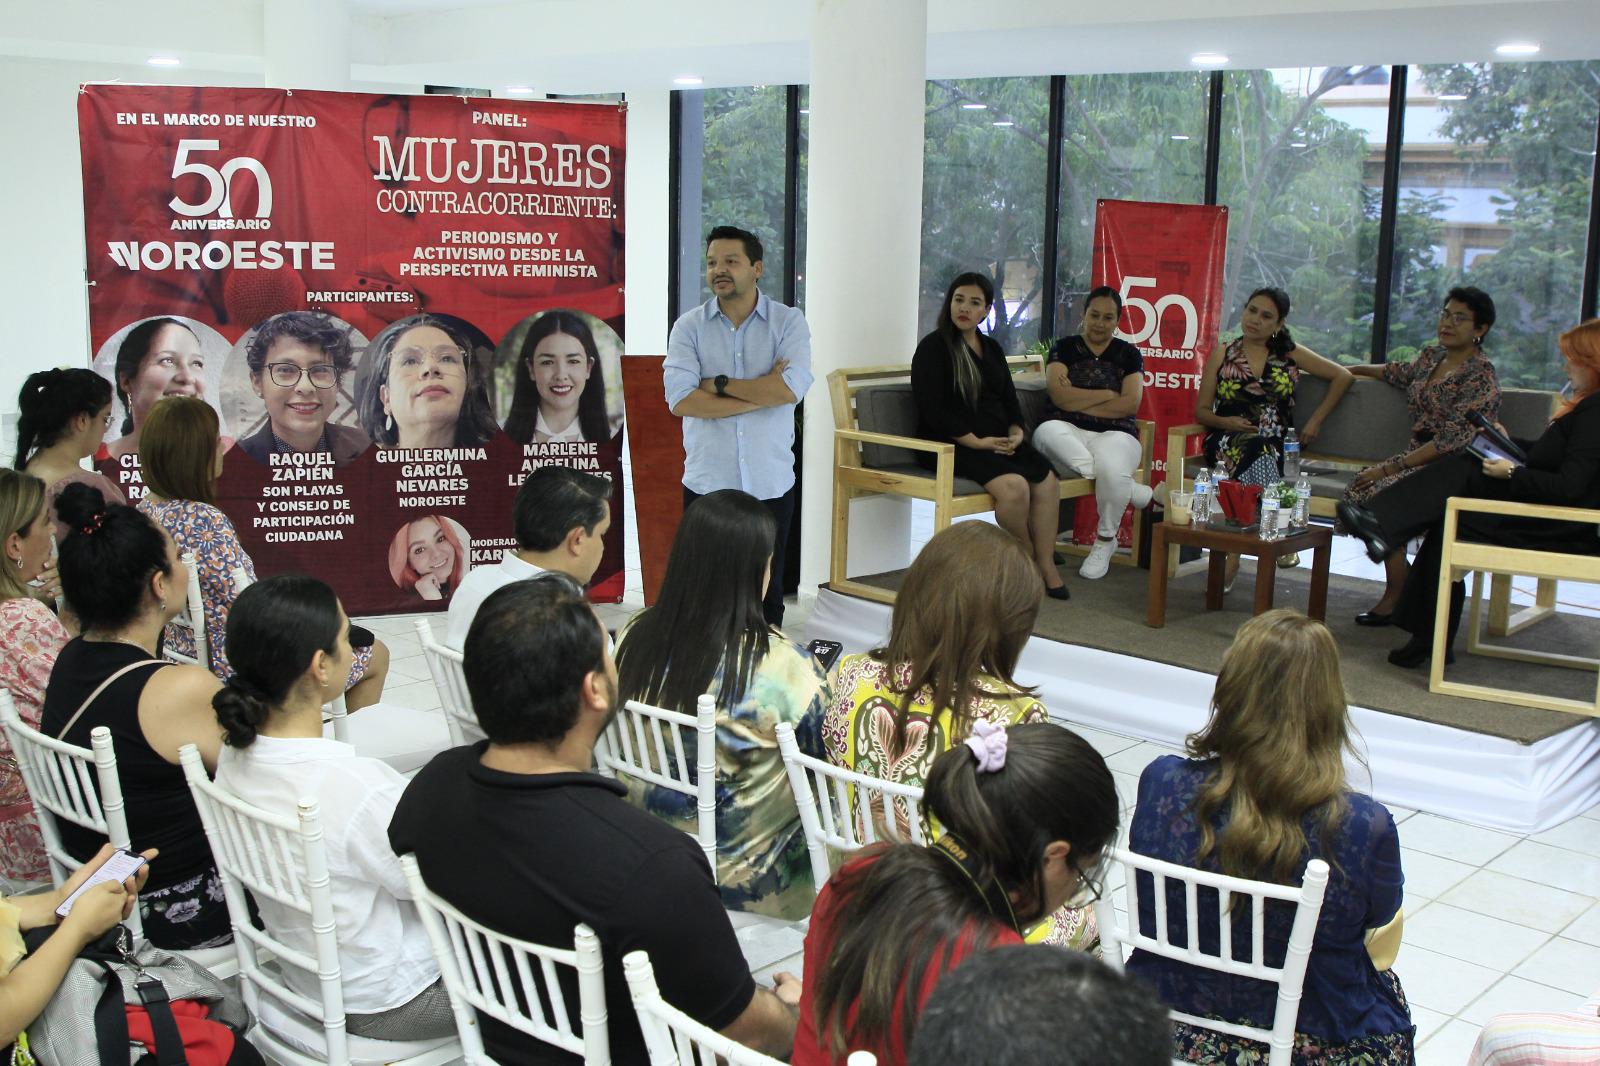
1143, 494
1098, 561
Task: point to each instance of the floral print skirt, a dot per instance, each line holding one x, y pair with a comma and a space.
1191, 1043
189, 914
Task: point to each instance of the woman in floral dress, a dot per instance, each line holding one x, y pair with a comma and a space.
1446, 384
960, 622
1246, 397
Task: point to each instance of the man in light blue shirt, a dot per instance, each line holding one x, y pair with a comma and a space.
736, 367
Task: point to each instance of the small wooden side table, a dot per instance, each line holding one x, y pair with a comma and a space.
1317, 539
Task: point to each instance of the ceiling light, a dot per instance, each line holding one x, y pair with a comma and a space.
1003, 123
1518, 48
1452, 96
974, 107
162, 61
1180, 136
1208, 59
689, 80
520, 90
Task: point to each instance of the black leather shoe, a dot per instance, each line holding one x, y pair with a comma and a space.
1416, 652
1362, 523
1373, 619
1058, 593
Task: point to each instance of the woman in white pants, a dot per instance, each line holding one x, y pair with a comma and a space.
1095, 381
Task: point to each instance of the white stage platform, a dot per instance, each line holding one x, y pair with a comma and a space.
1488, 781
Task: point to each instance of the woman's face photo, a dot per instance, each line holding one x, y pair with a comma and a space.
430, 551
560, 369
173, 366
1260, 319
299, 385
426, 386
968, 307
1100, 320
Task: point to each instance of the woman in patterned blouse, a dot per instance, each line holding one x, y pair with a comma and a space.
30, 639
180, 456
960, 622
1445, 385
706, 633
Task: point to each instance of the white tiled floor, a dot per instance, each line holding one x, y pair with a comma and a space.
1494, 922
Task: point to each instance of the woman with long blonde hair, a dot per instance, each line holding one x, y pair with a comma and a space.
1562, 468
1261, 792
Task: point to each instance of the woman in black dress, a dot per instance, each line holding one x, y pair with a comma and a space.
965, 396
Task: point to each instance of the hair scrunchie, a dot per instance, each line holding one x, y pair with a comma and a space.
988, 743
96, 520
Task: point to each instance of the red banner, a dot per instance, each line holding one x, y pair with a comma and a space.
1166, 260
455, 266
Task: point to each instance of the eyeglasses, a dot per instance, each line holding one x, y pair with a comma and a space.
110, 417
288, 375
1092, 881
1455, 318
447, 356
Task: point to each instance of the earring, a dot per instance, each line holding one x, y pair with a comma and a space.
163, 604
389, 423
18, 562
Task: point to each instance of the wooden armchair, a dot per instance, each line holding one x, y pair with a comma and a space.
1460, 557
875, 453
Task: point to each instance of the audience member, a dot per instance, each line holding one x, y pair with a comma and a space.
1027, 813
1041, 1006
560, 518
1263, 792
64, 414
1445, 385
1246, 399
30, 639
521, 836
716, 578
181, 458
1541, 1038
124, 581
288, 641
965, 396
1562, 468
28, 980
736, 367
1096, 380
960, 622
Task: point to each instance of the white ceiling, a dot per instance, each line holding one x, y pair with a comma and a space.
579, 46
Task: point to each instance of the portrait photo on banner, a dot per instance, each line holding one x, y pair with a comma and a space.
557, 376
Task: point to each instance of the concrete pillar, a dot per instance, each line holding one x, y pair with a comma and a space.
647, 182
305, 44
863, 234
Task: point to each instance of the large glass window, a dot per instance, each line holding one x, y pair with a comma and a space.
1495, 179
983, 178
731, 173
1301, 171
1124, 137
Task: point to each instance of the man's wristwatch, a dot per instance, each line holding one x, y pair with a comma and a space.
721, 383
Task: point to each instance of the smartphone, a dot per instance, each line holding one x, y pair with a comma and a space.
122, 865
1486, 447
826, 651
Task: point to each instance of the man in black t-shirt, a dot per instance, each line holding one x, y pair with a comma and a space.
521, 836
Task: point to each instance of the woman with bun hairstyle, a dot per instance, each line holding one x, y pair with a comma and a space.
159, 357
124, 582
64, 414
560, 391
289, 642
421, 387
30, 639
1261, 792
181, 459
428, 557
1027, 813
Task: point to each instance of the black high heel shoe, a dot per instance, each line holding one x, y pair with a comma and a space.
1372, 619
1363, 524
1417, 652
1058, 593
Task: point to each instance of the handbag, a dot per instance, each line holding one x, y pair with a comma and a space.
182, 1005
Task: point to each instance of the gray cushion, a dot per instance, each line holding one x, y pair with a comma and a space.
888, 409
1371, 422
1526, 412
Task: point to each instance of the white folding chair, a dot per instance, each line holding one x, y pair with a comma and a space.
282, 858
637, 745
1115, 932
489, 972
671, 1037
445, 666
241, 580
66, 781
844, 810
192, 618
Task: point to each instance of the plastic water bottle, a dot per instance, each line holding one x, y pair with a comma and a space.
1200, 505
1271, 507
1291, 456
1302, 502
